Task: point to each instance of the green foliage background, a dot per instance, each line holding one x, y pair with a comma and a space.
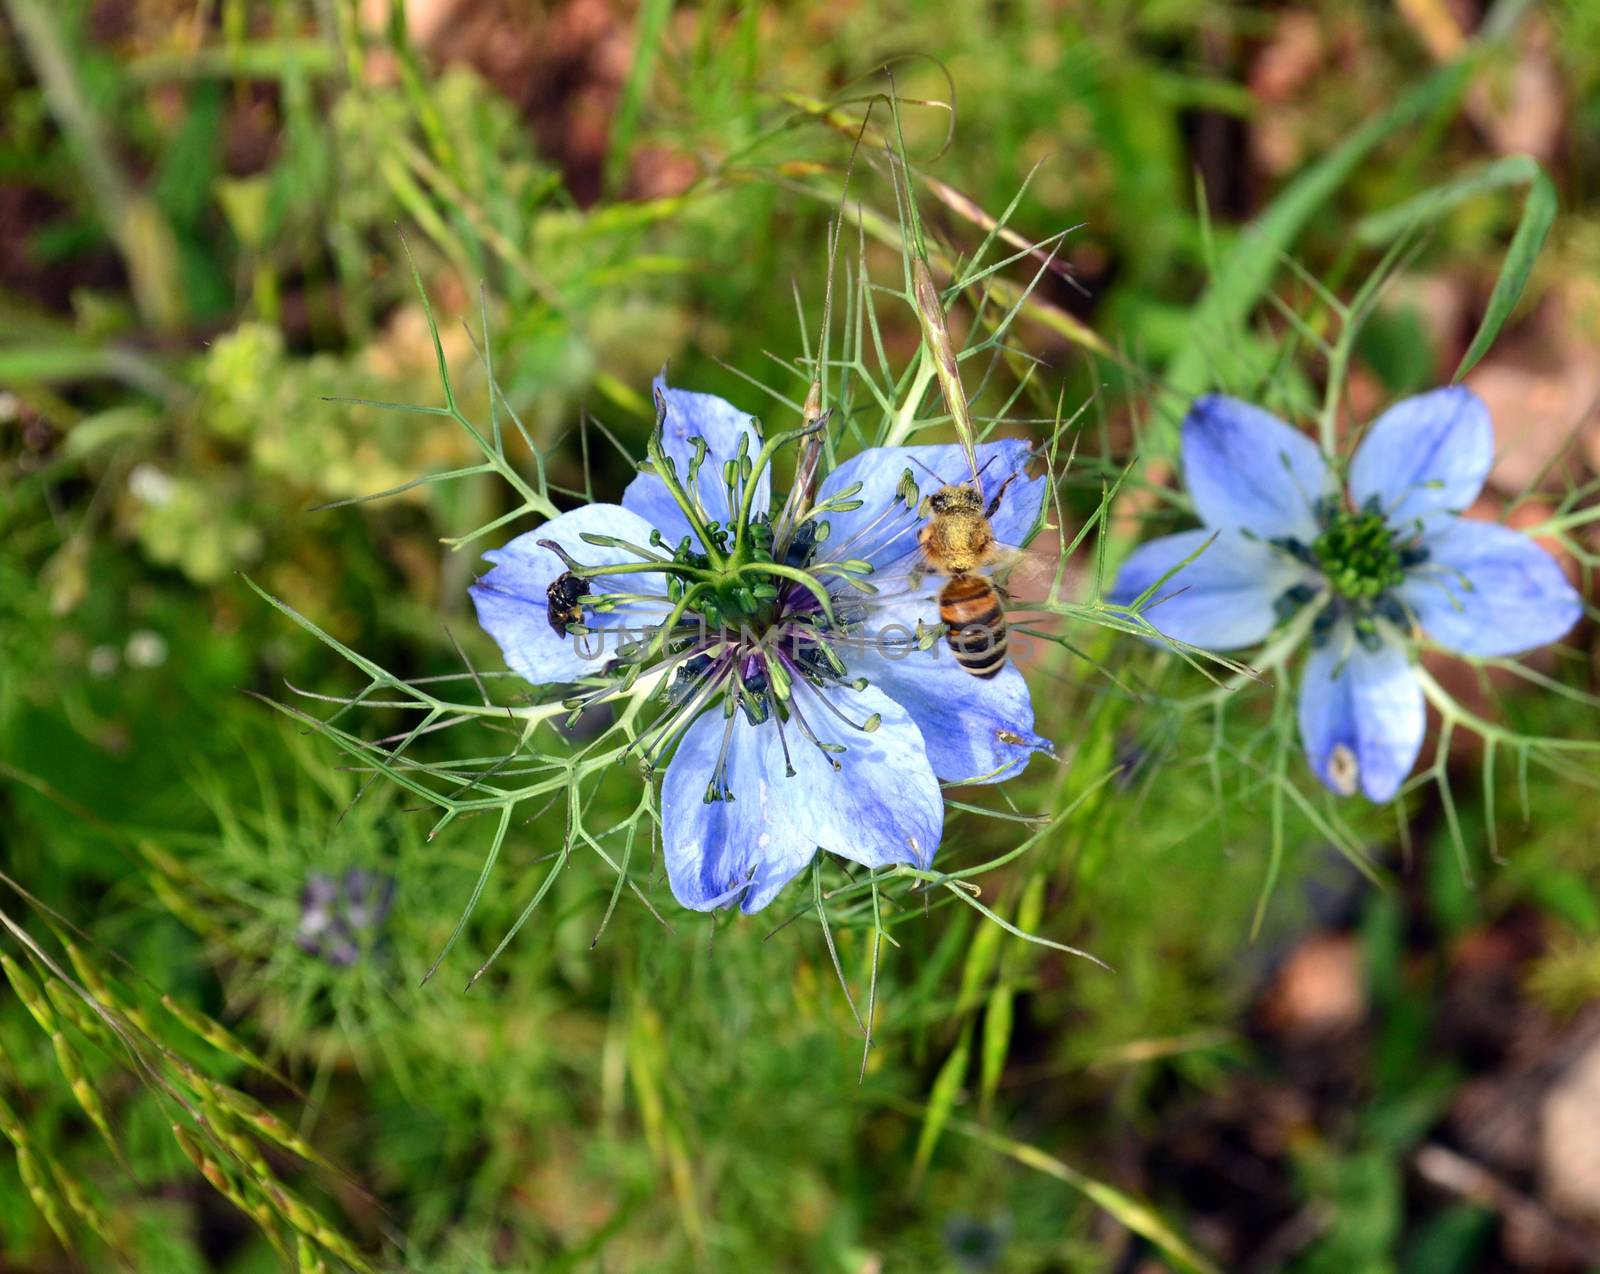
175, 317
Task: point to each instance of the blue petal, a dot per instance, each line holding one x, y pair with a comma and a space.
882, 806
1425, 455
1248, 471
1222, 600
1361, 716
513, 607
866, 534
689, 416
976, 730
1489, 590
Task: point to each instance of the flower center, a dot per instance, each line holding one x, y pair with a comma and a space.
1358, 555
758, 614
752, 635
731, 591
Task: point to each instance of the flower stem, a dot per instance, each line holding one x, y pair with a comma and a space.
1338, 366
900, 427
1272, 658
1563, 522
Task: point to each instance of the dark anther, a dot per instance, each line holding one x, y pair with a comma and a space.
689, 675
753, 697
1291, 600
1295, 549
802, 546
1390, 608
1322, 626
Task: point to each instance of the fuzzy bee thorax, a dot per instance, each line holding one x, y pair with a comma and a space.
957, 538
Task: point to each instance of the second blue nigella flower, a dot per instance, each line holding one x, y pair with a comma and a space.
805, 704
1385, 560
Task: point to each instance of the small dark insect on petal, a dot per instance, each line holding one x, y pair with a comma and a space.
561, 600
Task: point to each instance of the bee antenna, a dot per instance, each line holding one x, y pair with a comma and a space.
977, 474
927, 471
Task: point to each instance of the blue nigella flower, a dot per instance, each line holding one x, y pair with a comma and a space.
1379, 563
806, 703
340, 919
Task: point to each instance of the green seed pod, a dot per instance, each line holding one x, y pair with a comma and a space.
85, 1209
209, 1168
102, 990
243, 1149
29, 993
306, 1258
266, 1123
292, 1209
82, 1090
87, 973
187, 1143
265, 1218
936, 339
15, 1130
73, 1010
33, 1181
214, 1034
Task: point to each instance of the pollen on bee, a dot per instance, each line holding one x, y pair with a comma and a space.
1344, 771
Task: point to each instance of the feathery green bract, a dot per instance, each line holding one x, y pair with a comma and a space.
219, 229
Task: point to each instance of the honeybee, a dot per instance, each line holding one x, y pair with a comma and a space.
958, 541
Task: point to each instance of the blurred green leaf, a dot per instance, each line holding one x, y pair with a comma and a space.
1533, 227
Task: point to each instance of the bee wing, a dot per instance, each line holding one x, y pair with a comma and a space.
918, 580
1003, 560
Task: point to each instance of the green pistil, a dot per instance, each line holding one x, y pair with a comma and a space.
1358, 555
731, 574
739, 588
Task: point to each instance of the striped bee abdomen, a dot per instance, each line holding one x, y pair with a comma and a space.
975, 624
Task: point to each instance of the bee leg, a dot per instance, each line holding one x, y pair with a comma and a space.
994, 504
